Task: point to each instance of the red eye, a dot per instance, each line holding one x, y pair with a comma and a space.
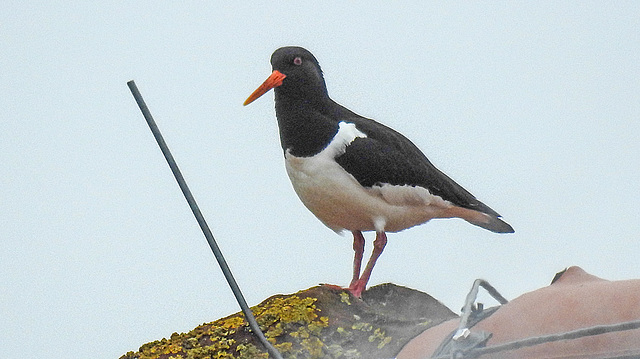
297, 61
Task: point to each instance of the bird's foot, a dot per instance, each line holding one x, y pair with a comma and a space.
356, 288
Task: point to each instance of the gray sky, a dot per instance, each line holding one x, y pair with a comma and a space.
533, 108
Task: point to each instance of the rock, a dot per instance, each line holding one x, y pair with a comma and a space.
320, 322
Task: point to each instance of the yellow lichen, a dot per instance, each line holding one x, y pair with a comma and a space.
281, 318
313, 346
379, 334
362, 326
249, 351
344, 298
286, 310
384, 342
284, 347
233, 322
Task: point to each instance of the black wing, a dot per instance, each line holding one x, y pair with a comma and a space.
386, 156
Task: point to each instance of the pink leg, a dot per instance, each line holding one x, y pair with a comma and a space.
378, 246
358, 247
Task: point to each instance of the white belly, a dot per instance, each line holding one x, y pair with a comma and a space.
340, 202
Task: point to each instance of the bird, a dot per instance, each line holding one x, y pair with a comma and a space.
354, 173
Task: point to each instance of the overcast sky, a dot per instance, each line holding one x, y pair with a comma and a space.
533, 108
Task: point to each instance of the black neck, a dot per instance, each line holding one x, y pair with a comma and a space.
307, 127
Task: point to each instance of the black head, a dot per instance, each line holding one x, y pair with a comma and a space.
296, 75
304, 76
307, 118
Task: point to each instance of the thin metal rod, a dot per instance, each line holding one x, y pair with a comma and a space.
548, 338
201, 221
573, 334
471, 298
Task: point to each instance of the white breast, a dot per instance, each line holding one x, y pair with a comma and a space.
340, 202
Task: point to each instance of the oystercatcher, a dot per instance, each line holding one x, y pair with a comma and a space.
354, 173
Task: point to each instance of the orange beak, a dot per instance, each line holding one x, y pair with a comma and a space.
274, 80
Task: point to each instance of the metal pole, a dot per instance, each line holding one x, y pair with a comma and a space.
201, 221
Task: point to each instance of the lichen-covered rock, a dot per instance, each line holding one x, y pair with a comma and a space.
320, 322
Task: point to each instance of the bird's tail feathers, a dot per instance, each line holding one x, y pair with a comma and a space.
480, 219
494, 224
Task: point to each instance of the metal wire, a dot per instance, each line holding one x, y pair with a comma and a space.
574, 334
463, 331
471, 299
201, 221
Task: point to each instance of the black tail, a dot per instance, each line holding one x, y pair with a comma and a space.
494, 224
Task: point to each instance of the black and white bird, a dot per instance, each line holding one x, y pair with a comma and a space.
354, 173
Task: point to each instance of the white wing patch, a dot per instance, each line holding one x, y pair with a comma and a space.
408, 196
347, 133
